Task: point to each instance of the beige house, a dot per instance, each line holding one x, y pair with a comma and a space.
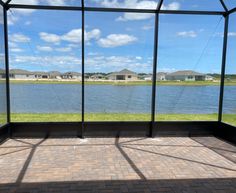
124, 74
187, 75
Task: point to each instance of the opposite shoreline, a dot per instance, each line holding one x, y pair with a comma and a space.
126, 83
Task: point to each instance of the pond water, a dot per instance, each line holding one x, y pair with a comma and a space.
66, 98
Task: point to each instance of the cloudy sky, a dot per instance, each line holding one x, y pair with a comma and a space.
51, 40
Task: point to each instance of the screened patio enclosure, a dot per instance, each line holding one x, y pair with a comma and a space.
152, 67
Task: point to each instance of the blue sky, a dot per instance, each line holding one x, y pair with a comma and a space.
51, 40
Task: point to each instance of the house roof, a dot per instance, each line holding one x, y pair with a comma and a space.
54, 73
40, 73
124, 72
185, 73
20, 72
97, 75
71, 74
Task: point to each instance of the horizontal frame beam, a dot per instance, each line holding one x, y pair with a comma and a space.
96, 129
98, 9
2, 3
232, 10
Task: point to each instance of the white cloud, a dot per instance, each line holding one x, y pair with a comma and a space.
233, 34
51, 38
27, 23
114, 40
16, 50
136, 4
12, 44
36, 2
17, 13
138, 57
134, 16
56, 62
44, 48
56, 2
25, 11
94, 34
73, 36
30, 2
64, 49
19, 38
171, 6
14, 47
94, 62
147, 27
190, 34
98, 62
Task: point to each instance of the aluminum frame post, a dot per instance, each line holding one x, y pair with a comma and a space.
224, 57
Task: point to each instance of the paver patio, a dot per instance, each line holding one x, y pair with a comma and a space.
121, 164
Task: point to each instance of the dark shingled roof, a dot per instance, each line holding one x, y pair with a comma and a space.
72, 74
124, 72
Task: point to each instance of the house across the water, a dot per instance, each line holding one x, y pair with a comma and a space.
124, 74
2, 74
72, 75
187, 75
41, 75
21, 74
97, 77
161, 76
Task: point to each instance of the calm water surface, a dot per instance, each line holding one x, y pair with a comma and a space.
66, 98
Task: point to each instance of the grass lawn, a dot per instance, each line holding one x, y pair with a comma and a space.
129, 83
229, 118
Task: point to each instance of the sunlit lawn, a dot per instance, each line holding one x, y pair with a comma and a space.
59, 117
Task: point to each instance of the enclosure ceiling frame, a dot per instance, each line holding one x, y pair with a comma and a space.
232, 11
101, 9
223, 5
2, 3
7, 2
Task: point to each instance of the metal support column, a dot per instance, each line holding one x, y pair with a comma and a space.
82, 130
224, 55
154, 72
7, 64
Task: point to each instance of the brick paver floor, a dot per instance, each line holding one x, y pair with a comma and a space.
121, 164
